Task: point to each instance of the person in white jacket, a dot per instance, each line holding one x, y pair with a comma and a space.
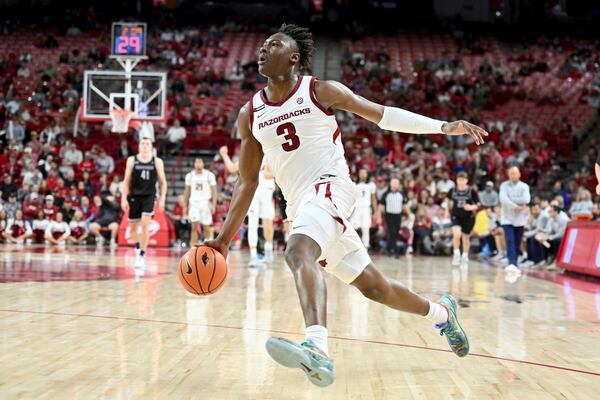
514, 199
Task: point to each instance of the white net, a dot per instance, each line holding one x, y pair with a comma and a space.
120, 120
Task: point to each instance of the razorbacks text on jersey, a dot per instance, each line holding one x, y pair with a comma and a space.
300, 140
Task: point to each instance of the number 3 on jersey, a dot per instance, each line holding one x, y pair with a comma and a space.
288, 130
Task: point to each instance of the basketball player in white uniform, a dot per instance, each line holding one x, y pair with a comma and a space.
262, 207
291, 124
200, 199
366, 202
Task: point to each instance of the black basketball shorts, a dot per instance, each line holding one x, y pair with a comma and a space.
140, 205
465, 222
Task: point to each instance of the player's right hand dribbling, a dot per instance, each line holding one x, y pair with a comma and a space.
216, 244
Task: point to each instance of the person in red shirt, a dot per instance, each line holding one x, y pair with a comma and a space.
61, 191
87, 165
31, 206
49, 207
52, 180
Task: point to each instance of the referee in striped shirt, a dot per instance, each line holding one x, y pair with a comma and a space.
390, 205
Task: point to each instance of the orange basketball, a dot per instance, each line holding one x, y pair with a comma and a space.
202, 270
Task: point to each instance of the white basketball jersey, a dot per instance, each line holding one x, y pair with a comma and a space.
200, 184
363, 193
300, 140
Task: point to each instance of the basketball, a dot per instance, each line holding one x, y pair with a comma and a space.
202, 271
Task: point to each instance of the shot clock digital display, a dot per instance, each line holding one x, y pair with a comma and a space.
128, 39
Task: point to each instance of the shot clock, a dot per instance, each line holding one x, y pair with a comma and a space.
128, 39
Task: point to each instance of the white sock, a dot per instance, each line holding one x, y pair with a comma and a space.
268, 247
318, 335
456, 251
252, 252
438, 314
465, 256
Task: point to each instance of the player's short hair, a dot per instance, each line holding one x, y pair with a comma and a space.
303, 39
146, 138
462, 174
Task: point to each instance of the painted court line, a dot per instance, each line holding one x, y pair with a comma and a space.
380, 342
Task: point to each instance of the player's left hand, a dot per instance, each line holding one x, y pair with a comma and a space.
459, 128
598, 189
161, 206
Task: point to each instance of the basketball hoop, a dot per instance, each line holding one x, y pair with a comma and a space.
120, 120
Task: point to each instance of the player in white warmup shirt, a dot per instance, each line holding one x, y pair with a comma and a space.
366, 202
262, 207
200, 199
291, 124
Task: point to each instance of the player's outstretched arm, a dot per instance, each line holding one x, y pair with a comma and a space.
251, 156
335, 95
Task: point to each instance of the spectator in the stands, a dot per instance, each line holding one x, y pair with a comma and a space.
49, 207
8, 187
32, 175
12, 205
124, 150
51, 132
70, 179
67, 209
441, 233
107, 217
581, 208
31, 206
65, 168
73, 155
88, 186
116, 186
175, 137
536, 223
489, 196
104, 163
445, 184
553, 233
87, 165
15, 131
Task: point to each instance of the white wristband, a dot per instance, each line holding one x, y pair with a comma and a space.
399, 120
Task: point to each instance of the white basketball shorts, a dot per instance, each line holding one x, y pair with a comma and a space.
322, 215
200, 212
262, 204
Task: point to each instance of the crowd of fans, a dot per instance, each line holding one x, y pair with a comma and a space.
71, 177
53, 192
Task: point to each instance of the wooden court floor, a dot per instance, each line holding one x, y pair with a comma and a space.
76, 323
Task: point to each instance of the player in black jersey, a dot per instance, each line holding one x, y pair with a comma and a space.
139, 193
464, 201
